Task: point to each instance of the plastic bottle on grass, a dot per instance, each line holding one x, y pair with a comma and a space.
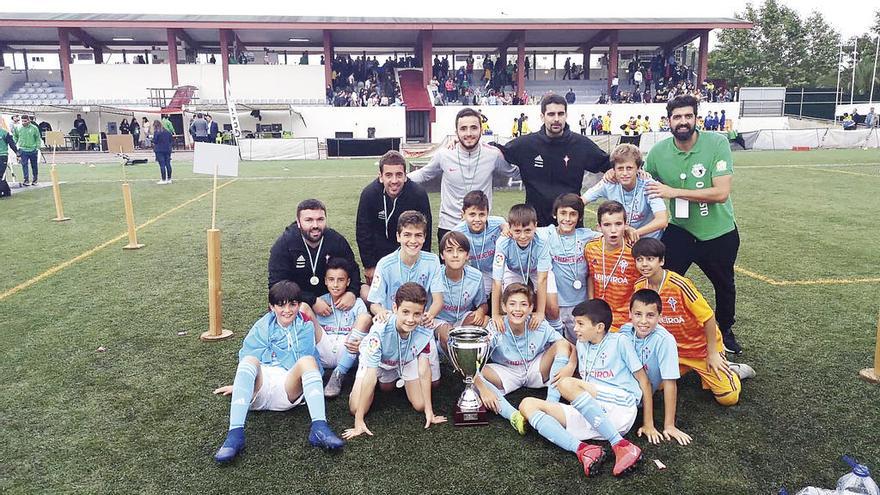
812, 490
858, 481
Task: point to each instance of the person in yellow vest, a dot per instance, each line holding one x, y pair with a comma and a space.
525, 126
514, 131
606, 123
640, 124
646, 125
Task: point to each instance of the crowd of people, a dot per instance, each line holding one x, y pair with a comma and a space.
603, 319
363, 82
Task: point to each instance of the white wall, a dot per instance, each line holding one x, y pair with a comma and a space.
277, 81
207, 77
119, 81
249, 82
501, 116
325, 122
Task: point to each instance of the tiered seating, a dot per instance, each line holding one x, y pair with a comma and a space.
36, 93
586, 91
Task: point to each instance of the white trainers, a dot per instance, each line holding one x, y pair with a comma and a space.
161, 182
742, 370
168, 181
334, 385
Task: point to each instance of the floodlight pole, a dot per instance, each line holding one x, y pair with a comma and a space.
852, 88
837, 98
874, 72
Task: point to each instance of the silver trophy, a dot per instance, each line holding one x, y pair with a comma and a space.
469, 349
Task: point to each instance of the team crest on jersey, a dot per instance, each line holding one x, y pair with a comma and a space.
623, 265
721, 166
423, 279
539, 161
533, 349
672, 303
301, 262
499, 260
698, 170
377, 279
603, 358
646, 353
373, 345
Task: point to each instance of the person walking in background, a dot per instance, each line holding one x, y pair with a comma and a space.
135, 130
162, 149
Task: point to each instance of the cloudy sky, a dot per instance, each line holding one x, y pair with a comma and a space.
849, 17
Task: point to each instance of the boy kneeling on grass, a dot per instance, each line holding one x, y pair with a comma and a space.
688, 317
278, 369
604, 400
396, 352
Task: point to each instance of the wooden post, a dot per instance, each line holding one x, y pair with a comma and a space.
56, 192
872, 375
129, 219
215, 307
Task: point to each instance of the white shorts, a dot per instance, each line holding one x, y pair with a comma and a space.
410, 370
511, 277
487, 285
513, 378
568, 322
622, 417
453, 324
331, 348
272, 395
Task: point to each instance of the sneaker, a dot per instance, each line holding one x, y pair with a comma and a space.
168, 181
34, 182
160, 182
25, 183
322, 436
626, 456
519, 423
731, 346
231, 447
334, 385
592, 457
742, 370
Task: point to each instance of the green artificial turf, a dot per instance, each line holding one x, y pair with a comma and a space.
140, 416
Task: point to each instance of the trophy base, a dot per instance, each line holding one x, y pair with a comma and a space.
470, 418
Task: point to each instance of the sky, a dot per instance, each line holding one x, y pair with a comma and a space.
851, 17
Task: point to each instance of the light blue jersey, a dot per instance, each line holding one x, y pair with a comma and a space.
462, 296
527, 261
275, 345
611, 363
569, 266
383, 347
339, 322
639, 208
391, 273
482, 243
658, 352
510, 350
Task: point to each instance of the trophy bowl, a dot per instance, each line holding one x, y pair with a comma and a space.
469, 349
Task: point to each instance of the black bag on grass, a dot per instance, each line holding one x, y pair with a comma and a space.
4, 189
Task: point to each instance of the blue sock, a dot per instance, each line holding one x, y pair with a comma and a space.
347, 360
313, 390
595, 415
558, 363
550, 429
242, 393
506, 409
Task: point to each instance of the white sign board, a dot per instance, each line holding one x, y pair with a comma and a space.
233, 115
210, 157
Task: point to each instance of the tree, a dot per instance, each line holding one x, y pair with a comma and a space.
780, 50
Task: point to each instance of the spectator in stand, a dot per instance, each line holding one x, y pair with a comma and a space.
848, 123
123, 127
567, 73
162, 150
637, 78
870, 119
615, 85
664, 124
570, 96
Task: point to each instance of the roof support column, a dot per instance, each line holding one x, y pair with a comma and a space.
98, 53
587, 49
613, 57
427, 60
328, 59
703, 71
224, 57
521, 65
64, 55
172, 56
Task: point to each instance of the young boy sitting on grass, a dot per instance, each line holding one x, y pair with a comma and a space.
647, 215
278, 368
524, 257
604, 400
657, 350
522, 357
482, 232
688, 317
464, 302
343, 330
396, 352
